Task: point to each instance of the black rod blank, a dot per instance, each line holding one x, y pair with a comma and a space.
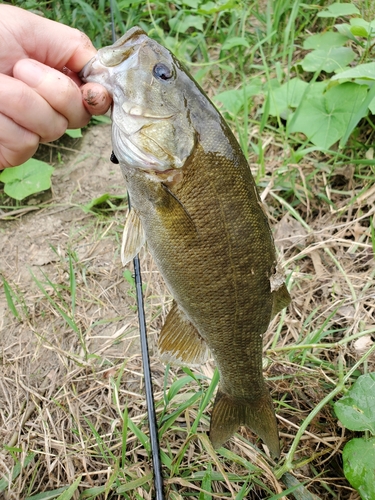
154, 437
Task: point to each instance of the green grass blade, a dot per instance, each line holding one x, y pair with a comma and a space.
48, 495
67, 494
9, 297
73, 283
4, 483
136, 483
206, 399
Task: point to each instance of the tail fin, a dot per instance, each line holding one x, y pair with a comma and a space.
258, 414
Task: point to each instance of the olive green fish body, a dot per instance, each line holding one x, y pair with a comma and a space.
198, 208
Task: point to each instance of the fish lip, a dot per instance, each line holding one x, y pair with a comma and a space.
137, 111
84, 73
90, 73
134, 32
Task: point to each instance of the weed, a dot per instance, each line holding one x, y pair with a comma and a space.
356, 411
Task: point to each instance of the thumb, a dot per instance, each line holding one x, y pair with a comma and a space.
95, 98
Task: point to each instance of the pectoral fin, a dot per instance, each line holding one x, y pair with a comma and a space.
133, 238
281, 299
180, 342
175, 215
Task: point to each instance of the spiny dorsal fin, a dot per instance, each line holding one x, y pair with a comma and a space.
180, 342
133, 238
281, 299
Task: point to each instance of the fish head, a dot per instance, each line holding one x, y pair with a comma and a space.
151, 126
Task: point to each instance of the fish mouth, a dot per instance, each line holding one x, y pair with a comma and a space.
99, 69
135, 110
133, 33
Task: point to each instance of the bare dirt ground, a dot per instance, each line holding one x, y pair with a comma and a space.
69, 351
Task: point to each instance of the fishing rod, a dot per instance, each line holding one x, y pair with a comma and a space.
154, 436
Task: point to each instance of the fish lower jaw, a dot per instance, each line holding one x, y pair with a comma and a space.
137, 111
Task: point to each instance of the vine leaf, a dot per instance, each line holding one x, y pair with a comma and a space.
356, 410
31, 177
359, 458
325, 118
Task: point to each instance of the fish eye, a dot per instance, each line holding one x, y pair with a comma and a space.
162, 72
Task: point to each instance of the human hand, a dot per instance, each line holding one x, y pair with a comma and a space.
41, 94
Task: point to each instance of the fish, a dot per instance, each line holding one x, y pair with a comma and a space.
195, 203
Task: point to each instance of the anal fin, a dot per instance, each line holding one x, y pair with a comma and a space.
180, 342
133, 238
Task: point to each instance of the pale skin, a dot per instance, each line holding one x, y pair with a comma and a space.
41, 94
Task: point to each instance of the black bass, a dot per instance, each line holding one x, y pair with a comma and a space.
196, 204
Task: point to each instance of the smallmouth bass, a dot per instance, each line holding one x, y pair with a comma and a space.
196, 204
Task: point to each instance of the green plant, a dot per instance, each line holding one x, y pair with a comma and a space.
17, 469
356, 411
329, 105
29, 178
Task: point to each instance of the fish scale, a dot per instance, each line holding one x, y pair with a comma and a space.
196, 204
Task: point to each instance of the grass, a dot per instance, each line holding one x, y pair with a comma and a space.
71, 377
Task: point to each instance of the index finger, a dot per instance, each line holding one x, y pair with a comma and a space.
49, 42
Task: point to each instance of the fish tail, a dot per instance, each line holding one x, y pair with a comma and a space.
258, 414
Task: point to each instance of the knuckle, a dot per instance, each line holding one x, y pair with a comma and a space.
30, 143
58, 128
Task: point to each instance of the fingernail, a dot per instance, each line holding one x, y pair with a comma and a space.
30, 72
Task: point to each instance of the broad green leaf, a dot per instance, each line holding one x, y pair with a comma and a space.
339, 9
214, 7
328, 60
359, 458
75, 133
372, 108
26, 179
234, 100
285, 97
325, 41
360, 27
101, 118
345, 30
235, 41
191, 3
182, 24
359, 31
361, 111
356, 410
366, 71
324, 116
